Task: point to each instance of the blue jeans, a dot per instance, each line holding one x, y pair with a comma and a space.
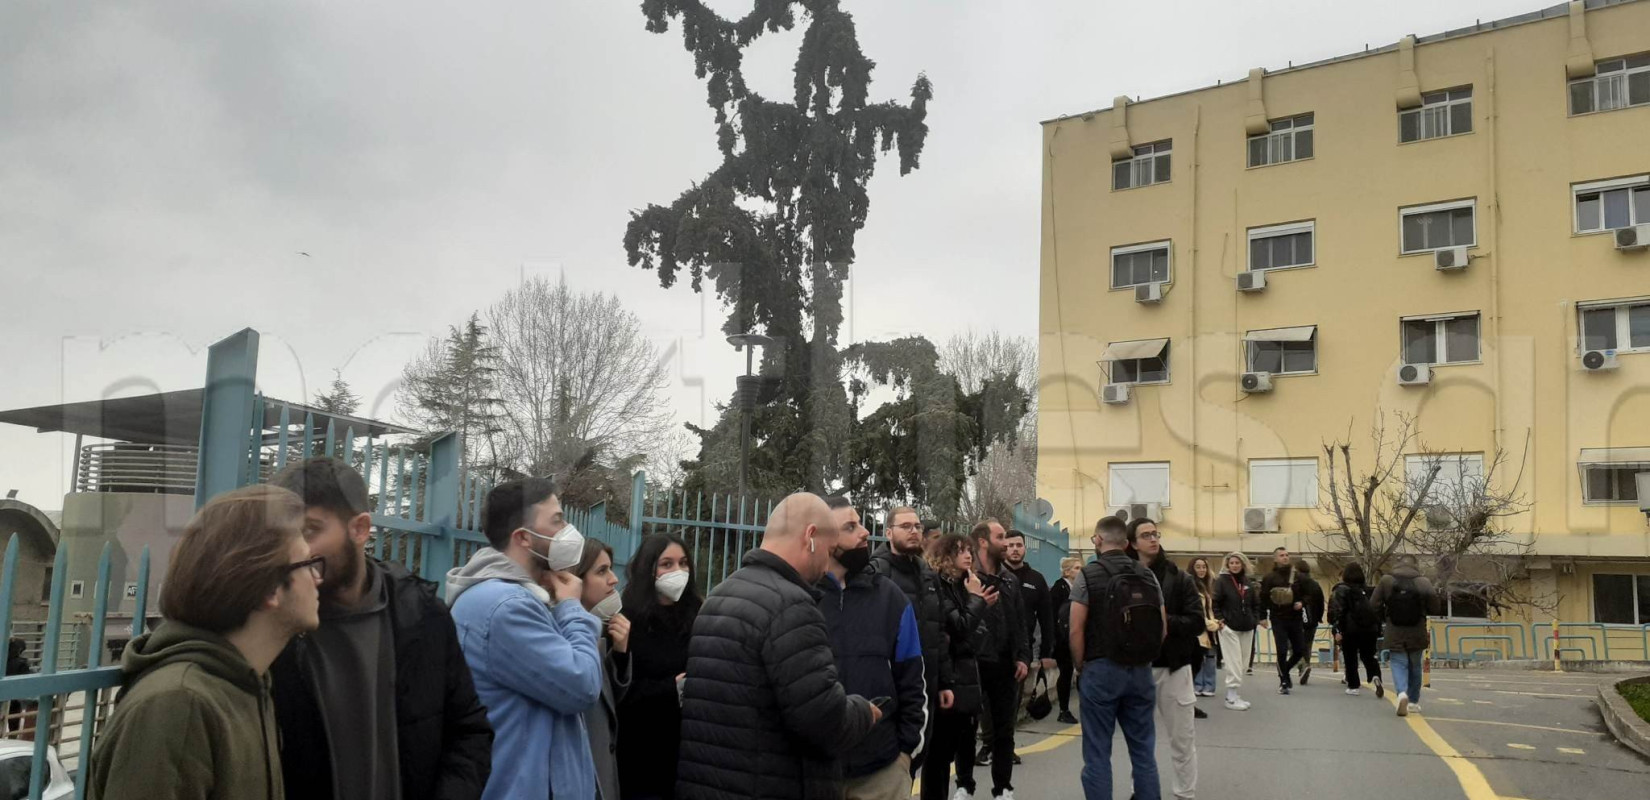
1406, 672
1204, 679
1113, 694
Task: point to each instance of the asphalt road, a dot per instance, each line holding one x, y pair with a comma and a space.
1483, 735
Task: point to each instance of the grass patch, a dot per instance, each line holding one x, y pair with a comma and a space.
1638, 696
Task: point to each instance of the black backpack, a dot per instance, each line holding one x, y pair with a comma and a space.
1405, 605
1359, 614
1130, 621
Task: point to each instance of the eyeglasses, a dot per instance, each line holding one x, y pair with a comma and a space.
909, 526
1150, 536
317, 567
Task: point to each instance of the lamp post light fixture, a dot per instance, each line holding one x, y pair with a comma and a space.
747, 398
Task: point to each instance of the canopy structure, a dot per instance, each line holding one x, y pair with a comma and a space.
1303, 333
171, 418
1142, 348
1614, 455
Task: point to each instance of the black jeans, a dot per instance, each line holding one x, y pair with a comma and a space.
953, 742
1290, 637
1062, 685
1311, 638
1001, 697
1359, 647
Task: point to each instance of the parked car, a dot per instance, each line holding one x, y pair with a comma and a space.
16, 759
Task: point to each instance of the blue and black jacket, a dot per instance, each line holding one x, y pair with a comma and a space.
878, 654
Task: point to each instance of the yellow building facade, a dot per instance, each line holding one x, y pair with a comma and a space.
1443, 228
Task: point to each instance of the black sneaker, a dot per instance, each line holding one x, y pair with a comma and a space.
1306, 675
984, 757
1283, 689
1015, 760
1067, 719
1198, 713
1380, 689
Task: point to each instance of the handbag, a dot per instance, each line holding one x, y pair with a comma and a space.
1040, 706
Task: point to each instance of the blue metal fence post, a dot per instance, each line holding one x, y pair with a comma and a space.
226, 414
442, 503
638, 499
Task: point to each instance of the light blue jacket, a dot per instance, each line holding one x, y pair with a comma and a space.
537, 668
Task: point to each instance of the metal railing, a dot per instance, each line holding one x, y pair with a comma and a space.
136, 468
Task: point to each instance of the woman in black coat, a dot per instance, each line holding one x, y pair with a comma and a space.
1237, 607
1059, 598
661, 599
963, 598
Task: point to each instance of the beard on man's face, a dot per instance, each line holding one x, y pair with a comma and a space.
342, 572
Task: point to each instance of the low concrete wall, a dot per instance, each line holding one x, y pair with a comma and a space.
1620, 717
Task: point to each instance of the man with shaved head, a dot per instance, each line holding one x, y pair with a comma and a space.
763, 714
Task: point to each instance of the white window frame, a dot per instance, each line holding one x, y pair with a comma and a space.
1274, 135
1436, 108
1599, 188
1604, 71
1111, 263
1440, 343
1624, 330
1641, 615
1144, 157
1249, 364
1431, 208
1153, 467
1287, 229
1586, 467
1290, 464
1463, 463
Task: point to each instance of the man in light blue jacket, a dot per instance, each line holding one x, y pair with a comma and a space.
530, 644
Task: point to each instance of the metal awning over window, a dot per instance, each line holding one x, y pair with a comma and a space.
1614, 455
1300, 334
1143, 348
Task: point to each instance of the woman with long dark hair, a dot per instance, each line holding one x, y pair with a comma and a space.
963, 599
601, 722
662, 600
1204, 678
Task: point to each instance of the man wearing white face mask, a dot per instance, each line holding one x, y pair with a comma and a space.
530, 643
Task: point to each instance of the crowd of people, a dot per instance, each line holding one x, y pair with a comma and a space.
289, 663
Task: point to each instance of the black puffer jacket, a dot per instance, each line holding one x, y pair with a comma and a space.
964, 632
1239, 609
1313, 602
1283, 578
921, 586
1185, 610
763, 716
1006, 638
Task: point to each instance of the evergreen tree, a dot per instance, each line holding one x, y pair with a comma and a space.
338, 399
452, 387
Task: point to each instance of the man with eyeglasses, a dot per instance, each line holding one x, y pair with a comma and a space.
1172, 671
377, 704
901, 560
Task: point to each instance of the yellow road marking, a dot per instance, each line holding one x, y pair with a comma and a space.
1572, 751
1544, 694
1514, 725
1517, 746
1049, 742
1473, 783
1484, 702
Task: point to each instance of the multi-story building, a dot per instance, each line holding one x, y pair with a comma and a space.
1453, 227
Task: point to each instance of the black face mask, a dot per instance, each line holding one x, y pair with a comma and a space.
856, 560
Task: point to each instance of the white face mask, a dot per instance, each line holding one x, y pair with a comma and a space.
609, 606
566, 548
671, 585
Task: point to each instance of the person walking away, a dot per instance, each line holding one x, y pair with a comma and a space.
1203, 682
878, 651
530, 643
1179, 657
1404, 599
1237, 608
1004, 656
662, 600
1039, 613
20, 714
601, 598
763, 714
1356, 627
1059, 598
1312, 610
1281, 594
378, 704
195, 720
964, 598
1118, 625
901, 561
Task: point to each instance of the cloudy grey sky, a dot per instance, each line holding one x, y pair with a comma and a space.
162, 162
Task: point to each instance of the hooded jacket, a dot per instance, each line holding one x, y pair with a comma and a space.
878, 654
1237, 601
1406, 638
964, 632
1185, 610
917, 580
537, 669
194, 722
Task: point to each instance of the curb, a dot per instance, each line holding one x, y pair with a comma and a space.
1619, 717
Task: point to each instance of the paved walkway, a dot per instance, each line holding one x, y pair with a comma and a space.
1484, 735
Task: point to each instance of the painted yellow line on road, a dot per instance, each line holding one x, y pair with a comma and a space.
1485, 702
1473, 783
1514, 725
1049, 742
1545, 694
1572, 751
1516, 746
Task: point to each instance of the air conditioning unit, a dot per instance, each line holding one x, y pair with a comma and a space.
1151, 511
1415, 375
1598, 360
1148, 293
1453, 258
1251, 281
1115, 393
1634, 238
1253, 382
1260, 519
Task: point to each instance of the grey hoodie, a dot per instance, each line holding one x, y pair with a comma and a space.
489, 564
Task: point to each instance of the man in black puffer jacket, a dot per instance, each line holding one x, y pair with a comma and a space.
1004, 655
1172, 671
901, 561
763, 715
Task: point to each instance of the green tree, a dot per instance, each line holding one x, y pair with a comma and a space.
453, 386
338, 398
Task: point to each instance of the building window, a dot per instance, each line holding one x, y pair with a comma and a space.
1619, 83
1282, 246
1148, 165
1439, 226
1289, 140
1621, 599
1146, 482
1141, 361
1460, 477
1282, 351
1609, 475
1138, 264
1283, 482
1444, 113
1451, 339
1622, 327
1609, 205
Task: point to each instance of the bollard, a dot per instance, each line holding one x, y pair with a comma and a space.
1426, 670
1557, 666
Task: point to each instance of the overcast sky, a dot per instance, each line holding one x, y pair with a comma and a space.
164, 162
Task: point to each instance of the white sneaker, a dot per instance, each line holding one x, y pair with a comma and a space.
1008, 794
1353, 692
1414, 708
1403, 704
962, 794
1237, 705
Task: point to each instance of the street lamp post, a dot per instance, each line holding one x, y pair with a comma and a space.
749, 387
